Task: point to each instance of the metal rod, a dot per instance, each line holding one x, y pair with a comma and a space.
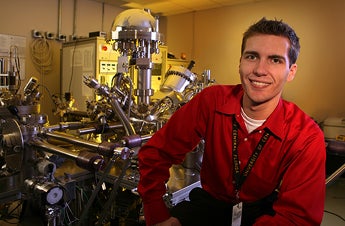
112, 196
97, 189
59, 16
87, 130
74, 33
336, 174
125, 121
74, 140
145, 138
54, 149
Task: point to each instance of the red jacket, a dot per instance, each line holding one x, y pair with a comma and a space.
295, 154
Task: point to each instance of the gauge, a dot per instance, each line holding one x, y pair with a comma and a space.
54, 195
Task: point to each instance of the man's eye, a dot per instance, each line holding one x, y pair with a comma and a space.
251, 57
277, 60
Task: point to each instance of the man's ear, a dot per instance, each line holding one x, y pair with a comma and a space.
292, 72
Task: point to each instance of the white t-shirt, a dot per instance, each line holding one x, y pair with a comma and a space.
250, 123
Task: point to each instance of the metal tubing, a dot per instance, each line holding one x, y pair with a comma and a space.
105, 148
113, 193
74, 140
144, 86
145, 138
86, 160
97, 189
54, 149
125, 121
59, 16
92, 83
74, 33
64, 126
87, 130
336, 174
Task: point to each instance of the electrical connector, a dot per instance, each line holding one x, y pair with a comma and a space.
36, 34
49, 35
61, 37
73, 37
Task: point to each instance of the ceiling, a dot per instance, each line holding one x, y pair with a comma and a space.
173, 7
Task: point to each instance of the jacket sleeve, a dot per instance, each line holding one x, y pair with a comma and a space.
168, 146
302, 192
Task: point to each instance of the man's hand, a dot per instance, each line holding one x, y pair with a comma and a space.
172, 221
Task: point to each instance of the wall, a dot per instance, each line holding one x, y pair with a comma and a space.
213, 37
20, 17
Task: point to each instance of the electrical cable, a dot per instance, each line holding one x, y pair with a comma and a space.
337, 215
68, 216
15, 62
72, 72
41, 55
11, 215
46, 88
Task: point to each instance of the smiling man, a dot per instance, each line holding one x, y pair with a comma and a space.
264, 158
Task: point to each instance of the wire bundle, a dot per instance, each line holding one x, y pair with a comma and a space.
41, 55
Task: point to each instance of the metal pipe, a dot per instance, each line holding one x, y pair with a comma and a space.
64, 126
84, 159
336, 174
125, 121
87, 130
145, 138
73, 140
102, 29
98, 187
74, 33
59, 16
54, 149
144, 90
92, 83
105, 148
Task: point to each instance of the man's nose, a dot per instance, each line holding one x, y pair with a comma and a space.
261, 68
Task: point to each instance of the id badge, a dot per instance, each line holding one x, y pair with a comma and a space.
236, 214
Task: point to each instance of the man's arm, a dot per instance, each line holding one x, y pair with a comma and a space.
302, 192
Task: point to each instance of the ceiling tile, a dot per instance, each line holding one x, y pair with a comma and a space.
173, 7
195, 5
160, 7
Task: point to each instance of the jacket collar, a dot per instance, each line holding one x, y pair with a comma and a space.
274, 123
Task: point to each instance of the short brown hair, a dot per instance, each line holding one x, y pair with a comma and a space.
274, 27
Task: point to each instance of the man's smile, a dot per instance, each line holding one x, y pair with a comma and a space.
259, 84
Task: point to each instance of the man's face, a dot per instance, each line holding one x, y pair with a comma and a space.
264, 68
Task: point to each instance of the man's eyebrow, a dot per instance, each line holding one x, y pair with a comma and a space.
274, 56
251, 53
255, 53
